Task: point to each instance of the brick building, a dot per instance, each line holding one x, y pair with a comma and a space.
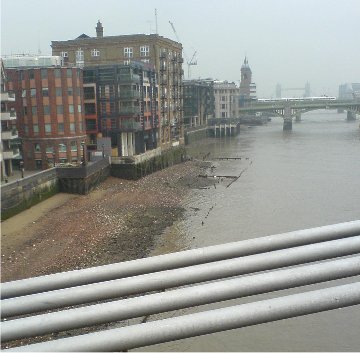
199, 102
49, 107
164, 54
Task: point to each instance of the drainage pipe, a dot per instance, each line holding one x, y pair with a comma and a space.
178, 299
141, 335
178, 277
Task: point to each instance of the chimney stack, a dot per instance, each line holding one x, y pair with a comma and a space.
99, 30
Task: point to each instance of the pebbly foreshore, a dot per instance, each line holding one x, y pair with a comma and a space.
121, 220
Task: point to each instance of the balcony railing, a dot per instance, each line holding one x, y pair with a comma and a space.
11, 153
11, 115
128, 95
7, 97
129, 78
9, 134
130, 125
129, 110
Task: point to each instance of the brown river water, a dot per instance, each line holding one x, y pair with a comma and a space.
294, 180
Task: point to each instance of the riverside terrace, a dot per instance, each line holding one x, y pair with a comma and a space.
287, 108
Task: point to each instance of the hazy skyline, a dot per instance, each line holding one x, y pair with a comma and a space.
286, 42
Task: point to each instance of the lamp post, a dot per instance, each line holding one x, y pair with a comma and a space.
22, 169
84, 155
103, 150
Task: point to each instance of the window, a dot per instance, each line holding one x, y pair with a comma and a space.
144, 50
58, 92
33, 110
70, 91
59, 109
46, 110
68, 73
48, 128
79, 108
32, 92
31, 74
145, 60
71, 108
36, 128
38, 163
223, 106
74, 146
95, 52
43, 73
45, 92
128, 52
23, 93
126, 62
89, 93
26, 129
57, 73
37, 147
64, 54
79, 58
62, 147
72, 127
60, 128
49, 149
25, 110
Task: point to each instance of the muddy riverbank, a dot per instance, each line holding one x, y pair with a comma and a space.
121, 220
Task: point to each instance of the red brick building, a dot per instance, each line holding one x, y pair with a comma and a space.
49, 106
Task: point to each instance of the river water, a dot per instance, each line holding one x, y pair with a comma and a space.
294, 180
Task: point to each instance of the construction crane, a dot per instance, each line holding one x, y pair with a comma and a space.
190, 62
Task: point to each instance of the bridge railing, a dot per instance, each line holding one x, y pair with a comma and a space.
249, 258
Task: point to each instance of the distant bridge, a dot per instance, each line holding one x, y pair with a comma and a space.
288, 108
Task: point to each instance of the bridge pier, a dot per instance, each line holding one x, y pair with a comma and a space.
298, 117
350, 116
287, 124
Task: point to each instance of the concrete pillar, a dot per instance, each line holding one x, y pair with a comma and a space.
287, 118
298, 117
350, 116
287, 124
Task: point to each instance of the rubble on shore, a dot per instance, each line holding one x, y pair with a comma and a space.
118, 221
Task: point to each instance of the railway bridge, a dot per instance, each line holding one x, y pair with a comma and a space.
289, 108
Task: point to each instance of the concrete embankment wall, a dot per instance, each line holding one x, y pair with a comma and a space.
24, 193
138, 166
83, 180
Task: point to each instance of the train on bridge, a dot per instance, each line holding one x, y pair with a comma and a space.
322, 98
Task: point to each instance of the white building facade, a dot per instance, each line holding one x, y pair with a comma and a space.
226, 99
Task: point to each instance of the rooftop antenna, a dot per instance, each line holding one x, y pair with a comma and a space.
156, 23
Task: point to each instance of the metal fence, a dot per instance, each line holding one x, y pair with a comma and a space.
255, 266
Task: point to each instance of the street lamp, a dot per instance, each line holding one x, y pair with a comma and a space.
103, 151
84, 155
22, 169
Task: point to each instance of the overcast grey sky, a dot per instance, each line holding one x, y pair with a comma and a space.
286, 41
